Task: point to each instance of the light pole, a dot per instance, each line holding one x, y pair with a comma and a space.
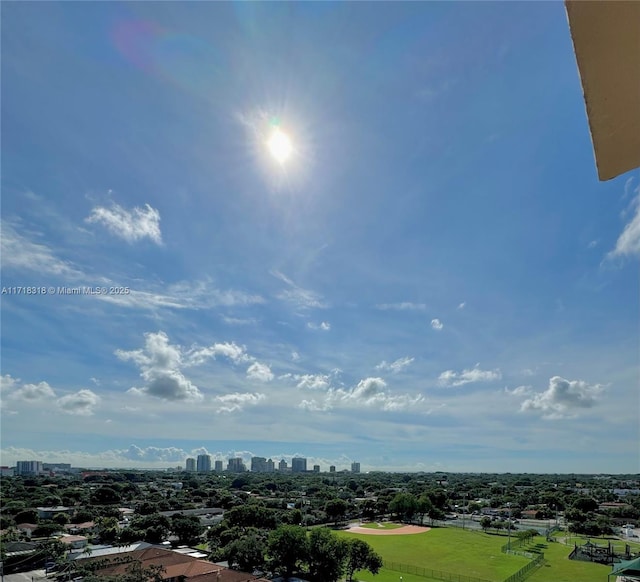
509, 526
464, 496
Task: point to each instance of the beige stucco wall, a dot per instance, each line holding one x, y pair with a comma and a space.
606, 39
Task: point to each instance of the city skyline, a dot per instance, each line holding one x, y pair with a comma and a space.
351, 232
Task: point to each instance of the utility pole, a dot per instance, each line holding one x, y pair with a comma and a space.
509, 505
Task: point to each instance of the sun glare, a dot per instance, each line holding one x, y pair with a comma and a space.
279, 145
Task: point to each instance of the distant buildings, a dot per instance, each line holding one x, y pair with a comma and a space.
203, 464
316, 468
190, 465
57, 467
7, 471
236, 465
262, 465
218, 468
355, 467
298, 465
29, 468
332, 469
282, 466
258, 465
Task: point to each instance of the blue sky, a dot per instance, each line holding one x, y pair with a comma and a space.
434, 279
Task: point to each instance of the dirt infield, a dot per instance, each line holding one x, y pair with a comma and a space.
398, 531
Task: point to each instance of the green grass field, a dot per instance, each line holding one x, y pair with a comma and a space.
384, 525
445, 549
475, 554
560, 568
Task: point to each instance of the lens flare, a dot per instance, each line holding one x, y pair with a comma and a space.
279, 145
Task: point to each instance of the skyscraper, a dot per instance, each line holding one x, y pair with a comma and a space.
271, 466
190, 465
298, 465
28, 467
332, 469
219, 467
258, 464
282, 465
236, 465
355, 467
203, 464
316, 468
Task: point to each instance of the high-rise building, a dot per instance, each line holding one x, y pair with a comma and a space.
332, 468
258, 465
282, 465
271, 466
203, 464
355, 467
219, 467
190, 465
316, 468
236, 465
28, 467
298, 465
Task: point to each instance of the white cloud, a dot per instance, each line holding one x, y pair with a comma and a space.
315, 406
130, 225
395, 367
404, 306
19, 252
563, 397
184, 295
7, 383
238, 401
451, 378
30, 392
154, 454
519, 391
303, 298
593, 244
436, 324
260, 372
160, 364
324, 326
313, 381
81, 403
295, 356
238, 320
462, 305
237, 354
628, 243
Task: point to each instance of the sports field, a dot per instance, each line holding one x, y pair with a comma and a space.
474, 554
445, 549
384, 525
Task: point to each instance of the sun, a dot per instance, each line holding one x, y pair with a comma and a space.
280, 146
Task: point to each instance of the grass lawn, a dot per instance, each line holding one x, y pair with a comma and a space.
389, 576
384, 525
560, 568
447, 549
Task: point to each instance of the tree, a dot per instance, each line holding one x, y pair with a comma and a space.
404, 505
26, 516
423, 507
436, 514
105, 496
287, 547
61, 518
246, 552
336, 509
326, 555
360, 556
187, 528
485, 523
